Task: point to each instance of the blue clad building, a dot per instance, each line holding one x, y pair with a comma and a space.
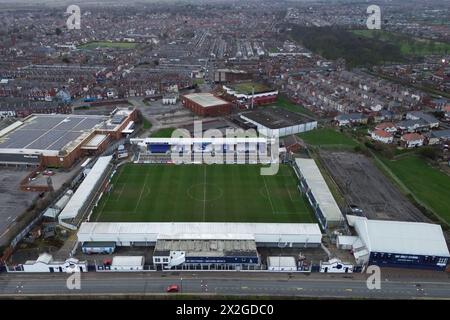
399, 244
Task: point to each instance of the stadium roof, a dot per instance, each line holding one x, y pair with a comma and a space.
208, 248
400, 237
319, 189
79, 198
151, 231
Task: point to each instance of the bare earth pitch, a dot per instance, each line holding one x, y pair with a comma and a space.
197, 193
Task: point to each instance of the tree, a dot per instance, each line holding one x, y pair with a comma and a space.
429, 152
66, 59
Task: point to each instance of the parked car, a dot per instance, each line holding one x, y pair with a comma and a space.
173, 288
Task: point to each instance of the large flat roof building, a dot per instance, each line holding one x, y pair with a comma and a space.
399, 244
206, 104
272, 121
58, 140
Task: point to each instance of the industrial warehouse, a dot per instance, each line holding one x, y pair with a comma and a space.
60, 140
274, 121
397, 244
206, 104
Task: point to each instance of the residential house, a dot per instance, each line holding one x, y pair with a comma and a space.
436, 137
386, 126
440, 103
412, 125
412, 140
351, 119
417, 115
447, 113
382, 136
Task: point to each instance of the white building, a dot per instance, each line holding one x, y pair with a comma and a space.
412, 140
273, 121
127, 263
336, 266
319, 195
399, 244
45, 263
169, 100
382, 136
278, 263
146, 234
84, 192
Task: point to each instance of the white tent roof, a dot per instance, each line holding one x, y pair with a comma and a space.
152, 231
319, 188
125, 261
400, 237
85, 189
278, 261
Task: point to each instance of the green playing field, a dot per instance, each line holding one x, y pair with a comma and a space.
202, 193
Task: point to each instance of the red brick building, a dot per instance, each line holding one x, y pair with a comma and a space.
206, 104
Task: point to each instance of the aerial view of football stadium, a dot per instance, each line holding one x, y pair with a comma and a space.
258, 152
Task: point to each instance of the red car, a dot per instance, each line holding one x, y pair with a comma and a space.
173, 288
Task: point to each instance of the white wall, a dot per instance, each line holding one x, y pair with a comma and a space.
43, 267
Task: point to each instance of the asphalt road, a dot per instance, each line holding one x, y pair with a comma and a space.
209, 283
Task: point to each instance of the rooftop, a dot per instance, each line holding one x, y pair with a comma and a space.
319, 189
49, 132
382, 133
275, 117
208, 247
412, 137
194, 231
400, 237
248, 87
206, 99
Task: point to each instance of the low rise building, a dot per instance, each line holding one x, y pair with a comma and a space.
206, 104
382, 136
412, 140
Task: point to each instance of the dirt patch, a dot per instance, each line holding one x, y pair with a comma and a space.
14, 202
364, 185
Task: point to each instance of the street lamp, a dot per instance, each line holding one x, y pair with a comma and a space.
181, 284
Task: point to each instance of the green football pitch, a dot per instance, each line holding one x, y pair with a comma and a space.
202, 193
